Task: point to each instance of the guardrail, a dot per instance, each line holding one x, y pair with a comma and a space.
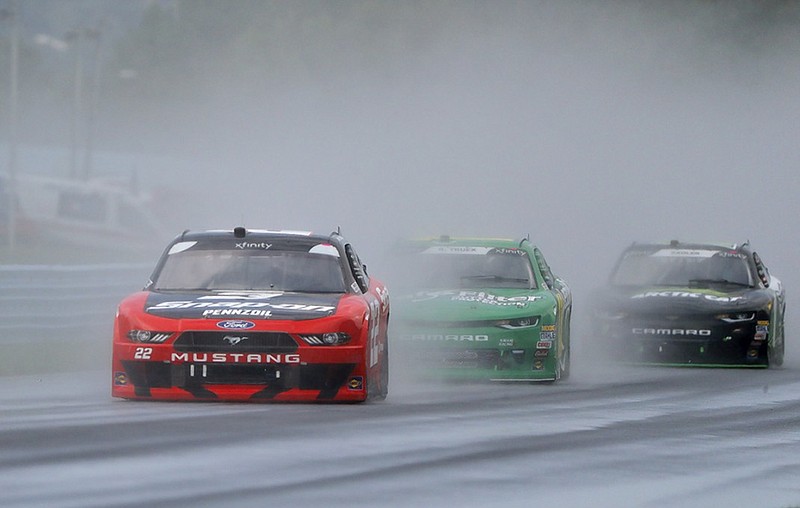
61, 303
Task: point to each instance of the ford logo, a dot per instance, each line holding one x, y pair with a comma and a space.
235, 325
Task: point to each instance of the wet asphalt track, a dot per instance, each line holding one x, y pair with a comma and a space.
610, 436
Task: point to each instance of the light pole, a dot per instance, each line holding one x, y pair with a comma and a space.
11, 191
84, 91
93, 35
74, 39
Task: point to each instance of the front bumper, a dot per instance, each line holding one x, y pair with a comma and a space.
479, 354
690, 340
321, 374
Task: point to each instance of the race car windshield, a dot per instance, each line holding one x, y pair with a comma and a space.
289, 271
444, 271
673, 267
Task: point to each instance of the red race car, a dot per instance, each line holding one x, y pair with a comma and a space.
254, 315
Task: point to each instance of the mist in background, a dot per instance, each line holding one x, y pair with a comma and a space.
587, 125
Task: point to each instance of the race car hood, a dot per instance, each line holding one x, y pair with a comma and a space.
681, 299
237, 304
473, 304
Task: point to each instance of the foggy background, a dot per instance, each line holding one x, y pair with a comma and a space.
588, 125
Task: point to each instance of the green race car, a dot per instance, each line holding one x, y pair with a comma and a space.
483, 309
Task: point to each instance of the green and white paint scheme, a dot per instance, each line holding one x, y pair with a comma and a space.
480, 308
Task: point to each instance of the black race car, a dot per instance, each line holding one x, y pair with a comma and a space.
693, 304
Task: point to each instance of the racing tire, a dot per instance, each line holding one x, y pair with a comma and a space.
775, 355
384, 391
565, 370
380, 389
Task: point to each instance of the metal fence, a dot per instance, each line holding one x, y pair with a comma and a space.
59, 303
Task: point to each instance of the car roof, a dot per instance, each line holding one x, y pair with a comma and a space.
675, 244
240, 233
464, 241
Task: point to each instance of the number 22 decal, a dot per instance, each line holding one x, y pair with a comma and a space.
143, 353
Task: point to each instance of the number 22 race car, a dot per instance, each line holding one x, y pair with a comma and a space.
254, 315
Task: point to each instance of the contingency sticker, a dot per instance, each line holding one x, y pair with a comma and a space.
453, 249
685, 253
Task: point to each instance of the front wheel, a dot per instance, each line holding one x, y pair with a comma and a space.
776, 355
565, 370
380, 391
566, 335
384, 389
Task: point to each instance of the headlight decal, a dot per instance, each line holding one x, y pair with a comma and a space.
326, 339
142, 336
518, 323
737, 317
